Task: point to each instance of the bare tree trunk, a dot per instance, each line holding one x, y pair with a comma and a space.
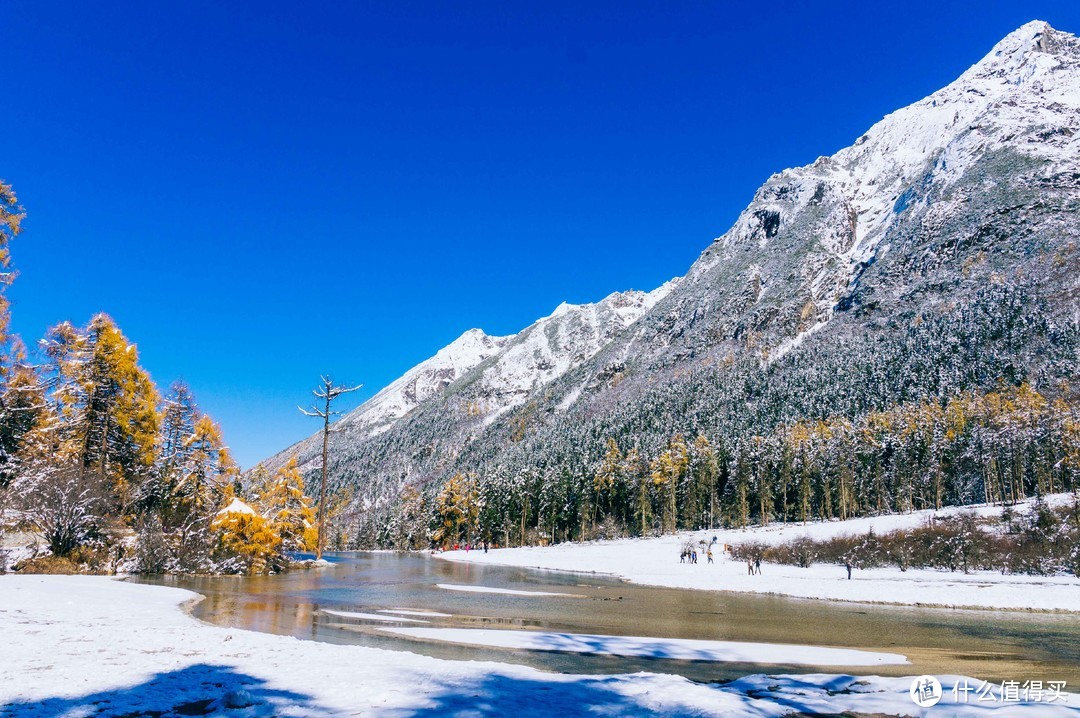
320, 542
328, 392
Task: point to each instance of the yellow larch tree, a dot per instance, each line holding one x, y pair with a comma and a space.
246, 541
288, 509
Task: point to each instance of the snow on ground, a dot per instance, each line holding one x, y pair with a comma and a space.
680, 649
655, 561
90, 645
371, 616
414, 612
503, 591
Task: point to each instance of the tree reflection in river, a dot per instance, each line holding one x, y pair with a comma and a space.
992, 645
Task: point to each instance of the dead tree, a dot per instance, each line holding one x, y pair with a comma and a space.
326, 393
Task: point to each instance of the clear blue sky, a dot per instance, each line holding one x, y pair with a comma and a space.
262, 195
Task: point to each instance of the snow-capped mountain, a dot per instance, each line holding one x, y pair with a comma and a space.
836, 217
422, 382
939, 253
551, 346
489, 375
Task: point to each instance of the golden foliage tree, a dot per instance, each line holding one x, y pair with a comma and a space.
608, 475
11, 217
457, 508
288, 509
667, 470
105, 403
246, 541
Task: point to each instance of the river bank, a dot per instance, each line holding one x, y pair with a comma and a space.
655, 562
92, 645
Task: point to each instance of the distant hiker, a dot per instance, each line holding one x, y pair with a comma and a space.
485, 546
847, 565
709, 555
757, 566
682, 556
750, 567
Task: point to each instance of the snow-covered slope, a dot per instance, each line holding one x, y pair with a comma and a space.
553, 345
489, 375
1029, 81
1023, 97
936, 254
422, 382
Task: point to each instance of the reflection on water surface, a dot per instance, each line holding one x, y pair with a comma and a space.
990, 645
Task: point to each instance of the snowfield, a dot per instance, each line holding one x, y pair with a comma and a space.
90, 645
682, 649
655, 561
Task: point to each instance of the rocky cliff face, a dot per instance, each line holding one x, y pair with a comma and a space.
1006, 131
937, 253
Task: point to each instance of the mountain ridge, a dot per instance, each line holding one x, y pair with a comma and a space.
512, 366
934, 255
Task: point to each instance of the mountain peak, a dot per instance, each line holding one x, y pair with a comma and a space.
471, 338
841, 277
1034, 36
1022, 100
563, 308
1017, 56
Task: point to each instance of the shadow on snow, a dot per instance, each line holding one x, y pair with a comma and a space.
197, 690
502, 695
208, 690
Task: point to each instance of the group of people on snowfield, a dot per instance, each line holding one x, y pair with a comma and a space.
690, 555
472, 547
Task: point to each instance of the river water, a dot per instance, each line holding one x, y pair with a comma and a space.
989, 645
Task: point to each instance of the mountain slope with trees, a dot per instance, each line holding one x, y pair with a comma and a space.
889, 328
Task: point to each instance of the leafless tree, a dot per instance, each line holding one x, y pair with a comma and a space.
325, 395
63, 504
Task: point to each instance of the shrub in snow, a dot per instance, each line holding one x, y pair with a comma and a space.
65, 505
1040, 541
